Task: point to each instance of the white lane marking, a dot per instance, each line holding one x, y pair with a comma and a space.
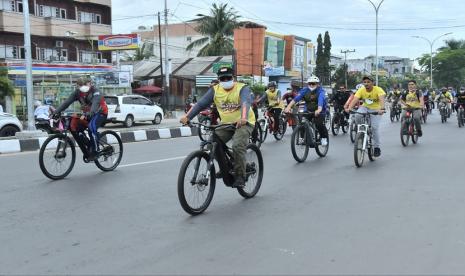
152, 162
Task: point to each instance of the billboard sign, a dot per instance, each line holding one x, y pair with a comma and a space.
118, 42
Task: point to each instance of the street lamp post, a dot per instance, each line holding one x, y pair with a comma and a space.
345, 63
431, 53
376, 7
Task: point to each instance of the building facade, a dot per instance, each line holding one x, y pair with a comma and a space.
389, 66
61, 31
180, 35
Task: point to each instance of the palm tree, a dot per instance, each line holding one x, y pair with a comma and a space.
144, 52
218, 29
453, 44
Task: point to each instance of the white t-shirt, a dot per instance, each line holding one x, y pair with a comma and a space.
42, 112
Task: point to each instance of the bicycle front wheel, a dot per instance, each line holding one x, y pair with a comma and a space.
110, 151
404, 134
264, 129
196, 185
254, 172
299, 144
256, 137
353, 131
57, 156
335, 125
359, 151
281, 129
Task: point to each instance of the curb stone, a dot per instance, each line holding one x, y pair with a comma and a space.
17, 145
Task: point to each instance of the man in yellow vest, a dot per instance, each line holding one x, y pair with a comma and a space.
275, 104
234, 106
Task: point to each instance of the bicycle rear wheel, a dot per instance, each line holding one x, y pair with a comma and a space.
359, 152
196, 185
345, 125
413, 131
299, 143
110, 151
353, 131
57, 156
254, 172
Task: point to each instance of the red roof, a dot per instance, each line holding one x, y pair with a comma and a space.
148, 90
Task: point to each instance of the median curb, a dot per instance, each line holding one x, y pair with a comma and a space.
34, 144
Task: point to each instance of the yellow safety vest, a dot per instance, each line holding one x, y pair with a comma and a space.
229, 104
273, 98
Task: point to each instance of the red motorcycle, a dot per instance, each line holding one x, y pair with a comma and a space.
209, 116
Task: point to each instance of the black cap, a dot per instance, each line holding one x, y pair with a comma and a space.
225, 72
368, 78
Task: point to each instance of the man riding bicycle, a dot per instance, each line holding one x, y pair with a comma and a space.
314, 97
394, 97
94, 113
339, 99
413, 99
234, 106
460, 98
275, 104
445, 97
373, 100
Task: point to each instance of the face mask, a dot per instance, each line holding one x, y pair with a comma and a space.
84, 89
312, 88
227, 84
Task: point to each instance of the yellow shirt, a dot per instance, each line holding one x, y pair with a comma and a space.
273, 98
370, 99
412, 100
444, 96
228, 104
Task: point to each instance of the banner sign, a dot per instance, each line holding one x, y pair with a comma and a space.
118, 42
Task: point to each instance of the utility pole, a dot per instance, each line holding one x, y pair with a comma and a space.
167, 72
345, 63
164, 102
28, 53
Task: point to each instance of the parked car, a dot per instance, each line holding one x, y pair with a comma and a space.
128, 109
9, 124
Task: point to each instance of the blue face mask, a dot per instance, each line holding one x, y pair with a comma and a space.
227, 84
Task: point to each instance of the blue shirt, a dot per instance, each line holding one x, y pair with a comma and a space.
320, 92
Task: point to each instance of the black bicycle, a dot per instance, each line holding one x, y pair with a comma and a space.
461, 115
197, 176
444, 112
339, 121
58, 154
395, 112
305, 136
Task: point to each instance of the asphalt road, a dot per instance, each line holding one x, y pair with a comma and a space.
403, 214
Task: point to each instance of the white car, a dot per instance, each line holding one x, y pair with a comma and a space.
128, 109
9, 124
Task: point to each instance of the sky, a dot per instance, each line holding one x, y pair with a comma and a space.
351, 23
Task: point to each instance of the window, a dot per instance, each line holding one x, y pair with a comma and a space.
63, 13
128, 100
143, 101
112, 100
47, 11
87, 17
98, 19
7, 5
21, 53
19, 6
189, 39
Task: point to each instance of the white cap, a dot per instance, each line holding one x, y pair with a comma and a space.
37, 103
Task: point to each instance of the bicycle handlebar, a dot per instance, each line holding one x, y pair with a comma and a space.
213, 127
365, 113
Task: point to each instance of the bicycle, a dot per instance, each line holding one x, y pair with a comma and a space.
443, 111
364, 139
200, 179
339, 121
408, 129
461, 115
305, 136
395, 112
57, 147
267, 125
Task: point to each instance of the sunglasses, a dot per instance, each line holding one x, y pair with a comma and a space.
225, 78
312, 83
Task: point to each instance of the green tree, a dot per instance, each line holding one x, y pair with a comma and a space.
320, 58
6, 87
218, 29
144, 52
339, 77
327, 57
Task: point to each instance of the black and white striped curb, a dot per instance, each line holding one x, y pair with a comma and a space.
20, 145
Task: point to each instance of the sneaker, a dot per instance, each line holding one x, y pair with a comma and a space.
377, 152
324, 142
239, 182
419, 133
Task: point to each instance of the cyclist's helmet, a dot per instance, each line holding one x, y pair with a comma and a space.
272, 84
313, 79
359, 86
